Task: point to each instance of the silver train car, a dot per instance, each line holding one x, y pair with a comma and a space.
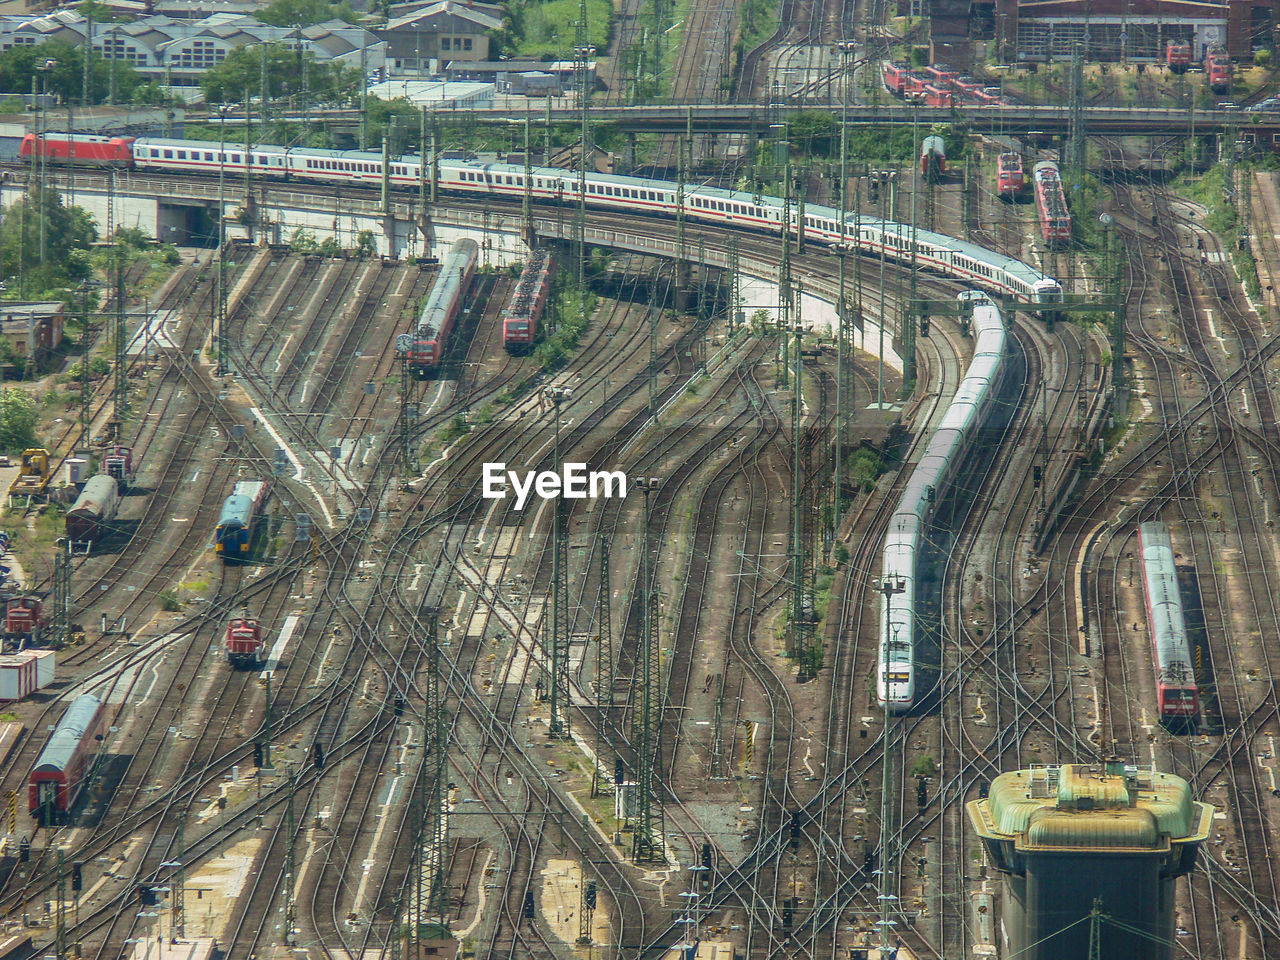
896, 670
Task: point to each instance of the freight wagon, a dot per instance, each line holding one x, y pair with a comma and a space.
95, 507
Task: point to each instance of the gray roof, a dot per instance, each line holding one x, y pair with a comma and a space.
71, 729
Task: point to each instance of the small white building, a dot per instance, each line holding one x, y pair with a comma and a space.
436, 94
23, 673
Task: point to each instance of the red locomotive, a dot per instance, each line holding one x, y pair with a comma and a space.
80, 148
66, 762
1055, 218
936, 96
895, 78
24, 619
520, 321
941, 75
1010, 178
1220, 70
244, 642
117, 462
933, 158
1177, 55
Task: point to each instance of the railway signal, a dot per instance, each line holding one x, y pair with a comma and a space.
317, 756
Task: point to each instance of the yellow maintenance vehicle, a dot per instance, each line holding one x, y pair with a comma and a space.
33, 476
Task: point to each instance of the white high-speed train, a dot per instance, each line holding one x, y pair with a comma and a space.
933, 251
896, 668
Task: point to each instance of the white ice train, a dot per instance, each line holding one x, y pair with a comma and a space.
896, 668
934, 251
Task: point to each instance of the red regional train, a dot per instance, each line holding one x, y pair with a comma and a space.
520, 320
1010, 178
1055, 218
66, 761
1220, 70
1177, 55
244, 642
933, 159
1176, 690
444, 303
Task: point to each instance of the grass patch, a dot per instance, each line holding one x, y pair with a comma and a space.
547, 30
569, 310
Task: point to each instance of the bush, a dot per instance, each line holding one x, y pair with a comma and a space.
169, 601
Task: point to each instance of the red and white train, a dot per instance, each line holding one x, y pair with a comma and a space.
444, 303
1177, 694
1010, 178
66, 762
523, 313
244, 642
1055, 218
24, 620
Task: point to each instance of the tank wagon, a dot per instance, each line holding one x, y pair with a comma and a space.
66, 761
1051, 203
1177, 694
961, 427
235, 524
96, 506
520, 321
444, 302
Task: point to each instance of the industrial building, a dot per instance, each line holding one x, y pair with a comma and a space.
1065, 837
1124, 30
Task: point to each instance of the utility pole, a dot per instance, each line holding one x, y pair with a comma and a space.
119, 336
178, 923
784, 277
587, 891
605, 750
842, 303
526, 200
290, 834
437, 727
60, 935
717, 732
648, 837
1076, 138
408, 414
60, 627
580, 50
558, 726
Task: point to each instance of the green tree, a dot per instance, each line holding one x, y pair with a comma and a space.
304, 13
68, 233
66, 78
18, 416
366, 246
241, 73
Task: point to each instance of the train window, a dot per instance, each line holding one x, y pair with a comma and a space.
155, 152
168, 154
182, 154
235, 158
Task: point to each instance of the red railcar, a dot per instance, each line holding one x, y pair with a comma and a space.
444, 303
24, 619
913, 86
895, 77
933, 158
79, 148
1177, 693
117, 462
67, 760
1055, 218
244, 643
520, 320
1220, 70
1010, 178
1177, 55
